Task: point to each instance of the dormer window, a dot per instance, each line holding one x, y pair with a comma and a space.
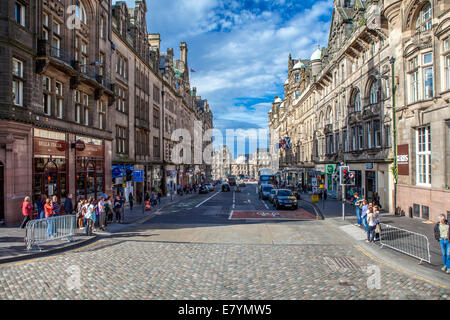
424, 20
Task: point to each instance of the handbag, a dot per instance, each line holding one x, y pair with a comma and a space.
378, 229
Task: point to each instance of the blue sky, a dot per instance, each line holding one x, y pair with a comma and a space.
239, 49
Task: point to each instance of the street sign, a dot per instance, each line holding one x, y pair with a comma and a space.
138, 175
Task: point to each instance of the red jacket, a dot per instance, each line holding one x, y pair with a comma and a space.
27, 209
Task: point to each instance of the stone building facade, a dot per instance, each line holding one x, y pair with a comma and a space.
84, 96
338, 106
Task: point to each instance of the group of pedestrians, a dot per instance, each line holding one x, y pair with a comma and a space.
368, 214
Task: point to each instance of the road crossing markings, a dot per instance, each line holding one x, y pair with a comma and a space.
207, 199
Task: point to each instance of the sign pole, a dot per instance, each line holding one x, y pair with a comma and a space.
343, 202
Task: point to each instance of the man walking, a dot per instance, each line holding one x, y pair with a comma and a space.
118, 208
442, 234
358, 206
68, 205
102, 213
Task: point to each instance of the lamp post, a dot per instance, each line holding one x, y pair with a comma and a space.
394, 115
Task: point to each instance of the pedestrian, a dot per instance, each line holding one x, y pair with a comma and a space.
378, 222
325, 194
159, 196
48, 208
442, 235
97, 215
39, 206
109, 210
102, 213
56, 206
80, 213
376, 199
90, 217
371, 224
358, 203
118, 208
364, 212
27, 212
130, 200
68, 205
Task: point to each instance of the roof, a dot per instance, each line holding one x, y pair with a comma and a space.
277, 100
317, 55
299, 65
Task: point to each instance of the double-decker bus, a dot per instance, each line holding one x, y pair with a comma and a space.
266, 176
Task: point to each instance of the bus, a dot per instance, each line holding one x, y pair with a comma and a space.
266, 176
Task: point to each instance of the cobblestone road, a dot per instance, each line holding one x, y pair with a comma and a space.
132, 265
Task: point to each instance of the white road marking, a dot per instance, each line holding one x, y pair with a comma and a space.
231, 214
207, 199
264, 204
234, 199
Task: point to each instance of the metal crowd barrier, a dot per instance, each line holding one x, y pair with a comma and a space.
50, 229
413, 244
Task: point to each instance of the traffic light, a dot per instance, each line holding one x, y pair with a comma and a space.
343, 175
129, 175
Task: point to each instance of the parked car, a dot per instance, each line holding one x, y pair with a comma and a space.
272, 195
294, 190
210, 187
284, 198
203, 189
226, 187
264, 191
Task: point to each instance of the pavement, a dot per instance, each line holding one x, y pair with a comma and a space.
13, 247
191, 250
333, 209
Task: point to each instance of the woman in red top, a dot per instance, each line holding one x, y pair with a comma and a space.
48, 208
27, 212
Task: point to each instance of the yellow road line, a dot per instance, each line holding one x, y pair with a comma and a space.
19, 263
398, 269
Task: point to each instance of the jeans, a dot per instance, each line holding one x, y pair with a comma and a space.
364, 220
358, 215
102, 220
49, 227
89, 226
371, 233
445, 250
24, 222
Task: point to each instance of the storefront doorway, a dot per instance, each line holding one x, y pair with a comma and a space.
371, 184
49, 178
2, 193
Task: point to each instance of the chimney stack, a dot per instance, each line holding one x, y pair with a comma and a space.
154, 40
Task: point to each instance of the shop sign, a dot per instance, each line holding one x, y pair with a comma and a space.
369, 165
117, 171
403, 159
331, 168
80, 145
49, 147
91, 150
138, 175
172, 173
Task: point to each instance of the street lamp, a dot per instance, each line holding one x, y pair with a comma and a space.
394, 115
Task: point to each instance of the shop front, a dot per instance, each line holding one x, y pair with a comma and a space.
2, 192
50, 164
89, 168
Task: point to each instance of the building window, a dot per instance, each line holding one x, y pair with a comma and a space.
156, 94
447, 72
387, 135
121, 140
354, 139
101, 108
344, 140
357, 101
156, 151
376, 134
428, 82
19, 13
368, 135
17, 82
423, 156
424, 21
102, 27
373, 98
297, 94
86, 109
414, 86
156, 118
297, 77
47, 95
59, 99
80, 12
360, 137
77, 100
